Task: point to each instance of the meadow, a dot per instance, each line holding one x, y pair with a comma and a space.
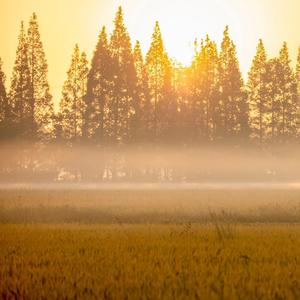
150, 244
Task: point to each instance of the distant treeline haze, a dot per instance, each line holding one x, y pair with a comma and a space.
122, 98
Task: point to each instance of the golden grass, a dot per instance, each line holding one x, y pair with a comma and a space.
152, 244
149, 262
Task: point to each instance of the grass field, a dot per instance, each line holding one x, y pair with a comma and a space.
150, 244
151, 206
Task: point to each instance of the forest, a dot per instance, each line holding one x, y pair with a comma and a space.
121, 113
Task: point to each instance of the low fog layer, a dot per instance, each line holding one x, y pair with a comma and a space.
149, 206
23, 163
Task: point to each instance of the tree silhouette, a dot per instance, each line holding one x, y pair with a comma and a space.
141, 120
160, 79
257, 86
182, 92
4, 109
272, 99
298, 90
41, 105
20, 92
72, 106
298, 67
124, 82
125, 99
99, 91
203, 82
233, 106
288, 97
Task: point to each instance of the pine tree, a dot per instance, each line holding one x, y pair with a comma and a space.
100, 80
41, 105
196, 76
211, 87
191, 106
4, 113
225, 88
281, 99
72, 106
272, 100
233, 101
182, 84
169, 112
160, 80
3, 96
20, 91
298, 67
124, 82
288, 97
204, 90
141, 120
298, 89
257, 86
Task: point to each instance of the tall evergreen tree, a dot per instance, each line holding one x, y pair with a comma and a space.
257, 86
210, 87
182, 84
298, 89
41, 105
141, 120
272, 100
281, 98
160, 80
204, 91
4, 109
3, 96
233, 101
72, 106
196, 92
288, 98
99, 91
124, 82
298, 67
20, 91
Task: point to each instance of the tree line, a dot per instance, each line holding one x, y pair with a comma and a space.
124, 98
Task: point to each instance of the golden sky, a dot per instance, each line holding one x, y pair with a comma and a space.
66, 22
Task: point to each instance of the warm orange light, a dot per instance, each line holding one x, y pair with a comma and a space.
64, 23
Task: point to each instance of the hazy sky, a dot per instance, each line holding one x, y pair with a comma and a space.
66, 22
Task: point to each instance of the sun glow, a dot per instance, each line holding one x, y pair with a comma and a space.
181, 21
